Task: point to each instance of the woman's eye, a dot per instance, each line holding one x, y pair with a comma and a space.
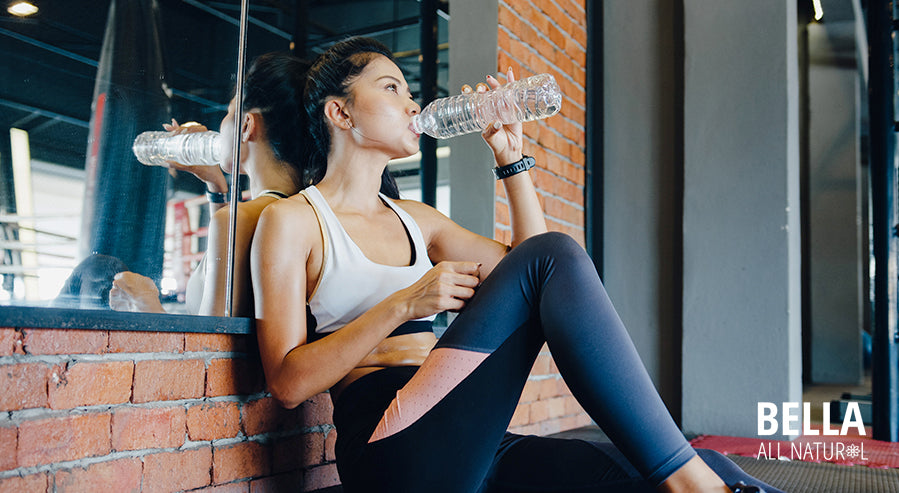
392, 87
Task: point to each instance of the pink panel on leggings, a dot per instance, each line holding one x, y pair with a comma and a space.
442, 370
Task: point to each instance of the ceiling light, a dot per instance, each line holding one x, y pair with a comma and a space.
819, 10
22, 9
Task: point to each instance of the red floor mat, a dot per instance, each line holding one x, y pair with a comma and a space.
848, 450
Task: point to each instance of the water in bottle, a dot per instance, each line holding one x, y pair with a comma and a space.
193, 149
524, 100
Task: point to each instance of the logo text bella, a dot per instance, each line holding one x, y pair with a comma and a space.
804, 450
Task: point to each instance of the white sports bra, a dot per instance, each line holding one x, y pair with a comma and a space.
350, 284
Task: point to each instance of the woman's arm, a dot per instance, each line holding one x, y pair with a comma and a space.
505, 141
296, 370
212, 301
449, 241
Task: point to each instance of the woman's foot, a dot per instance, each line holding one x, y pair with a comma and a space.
694, 477
742, 487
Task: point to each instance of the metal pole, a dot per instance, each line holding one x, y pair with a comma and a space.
885, 364
594, 144
428, 145
235, 167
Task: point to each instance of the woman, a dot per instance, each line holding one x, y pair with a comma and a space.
272, 154
414, 414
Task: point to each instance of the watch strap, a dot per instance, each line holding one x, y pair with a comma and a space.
523, 164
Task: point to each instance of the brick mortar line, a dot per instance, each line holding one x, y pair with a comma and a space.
582, 10
560, 134
551, 21
514, 37
207, 356
540, 191
551, 64
563, 179
505, 227
561, 157
89, 461
33, 414
573, 4
189, 445
561, 199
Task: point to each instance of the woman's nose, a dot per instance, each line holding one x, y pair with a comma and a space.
414, 108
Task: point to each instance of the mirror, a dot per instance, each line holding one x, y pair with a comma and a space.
83, 79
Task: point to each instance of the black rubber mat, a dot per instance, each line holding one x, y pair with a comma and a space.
813, 477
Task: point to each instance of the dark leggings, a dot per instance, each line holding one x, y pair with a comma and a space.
544, 290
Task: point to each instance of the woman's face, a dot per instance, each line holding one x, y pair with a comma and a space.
381, 109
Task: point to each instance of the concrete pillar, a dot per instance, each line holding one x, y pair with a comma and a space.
834, 211
472, 55
741, 298
641, 162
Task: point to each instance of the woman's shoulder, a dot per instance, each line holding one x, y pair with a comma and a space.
248, 213
418, 210
294, 210
429, 220
426, 216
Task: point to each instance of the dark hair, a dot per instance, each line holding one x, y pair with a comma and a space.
330, 76
89, 283
274, 86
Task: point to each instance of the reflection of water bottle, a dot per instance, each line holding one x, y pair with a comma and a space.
194, 148
520, 101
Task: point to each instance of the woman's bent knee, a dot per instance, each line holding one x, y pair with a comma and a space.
555, 245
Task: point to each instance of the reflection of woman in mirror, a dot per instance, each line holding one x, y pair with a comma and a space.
271, 154
89, 283
414, 413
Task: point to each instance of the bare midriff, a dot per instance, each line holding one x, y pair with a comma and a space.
404, 350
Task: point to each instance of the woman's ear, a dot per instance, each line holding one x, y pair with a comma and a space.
336, 114
250, 126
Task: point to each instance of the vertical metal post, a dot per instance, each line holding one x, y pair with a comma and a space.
428, 83
885, 373
593, 188
235, 167
8, 232
301, 29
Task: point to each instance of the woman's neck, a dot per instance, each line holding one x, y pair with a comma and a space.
269, 174
353, 182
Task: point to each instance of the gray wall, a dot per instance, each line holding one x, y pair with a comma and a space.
472, 55
740, 291
741, 213
835, 245
640, 170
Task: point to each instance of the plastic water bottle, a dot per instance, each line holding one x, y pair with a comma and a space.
155, 148
524, 100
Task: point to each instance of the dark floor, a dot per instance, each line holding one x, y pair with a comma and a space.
791, 476
796, 476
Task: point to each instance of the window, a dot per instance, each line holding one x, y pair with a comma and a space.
82, 79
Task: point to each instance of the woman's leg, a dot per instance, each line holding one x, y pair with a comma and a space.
554, 465
549, 285
545, 290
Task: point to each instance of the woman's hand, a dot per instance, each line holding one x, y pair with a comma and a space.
504, 140
211, 175
447, 286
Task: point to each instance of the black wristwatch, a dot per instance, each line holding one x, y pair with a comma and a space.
523, 164
216, 197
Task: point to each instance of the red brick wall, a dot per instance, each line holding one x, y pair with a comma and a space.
133, 411
85, 410
549, 36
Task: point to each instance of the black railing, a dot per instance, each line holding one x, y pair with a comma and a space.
882, 94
